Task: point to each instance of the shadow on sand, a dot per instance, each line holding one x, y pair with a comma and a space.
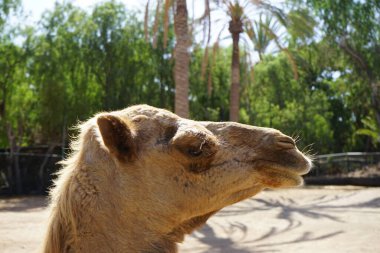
318, 208
323, 207
225, 245
22, 204
219, 245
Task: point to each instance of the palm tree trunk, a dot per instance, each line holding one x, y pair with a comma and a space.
181, 56
235, 27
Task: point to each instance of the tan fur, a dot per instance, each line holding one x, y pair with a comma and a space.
140, 179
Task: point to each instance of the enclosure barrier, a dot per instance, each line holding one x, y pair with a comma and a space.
28, 172
351, 168
343, 163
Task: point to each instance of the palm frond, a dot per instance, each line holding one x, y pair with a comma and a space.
273, 10
288, 54
249, 30
301, 24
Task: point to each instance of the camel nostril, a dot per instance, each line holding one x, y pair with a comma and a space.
285, 142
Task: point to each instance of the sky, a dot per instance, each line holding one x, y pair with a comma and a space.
35, 8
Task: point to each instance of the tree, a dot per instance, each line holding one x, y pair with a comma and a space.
353, 26
241, 23
16, 97
210, 95
6, 66
235, 27
182, 59
9, 62
371, 129
181, 50
85, 63
6, 6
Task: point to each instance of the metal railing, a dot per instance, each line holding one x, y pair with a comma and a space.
343, 163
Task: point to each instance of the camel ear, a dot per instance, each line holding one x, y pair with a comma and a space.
117, 137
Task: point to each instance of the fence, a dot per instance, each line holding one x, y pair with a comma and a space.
343, 163
352, 168
26, 172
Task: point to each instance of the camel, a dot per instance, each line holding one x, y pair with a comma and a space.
140, 179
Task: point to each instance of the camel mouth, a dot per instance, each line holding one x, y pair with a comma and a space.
291, 161
295, 171
277, 175
300, 166
278, 178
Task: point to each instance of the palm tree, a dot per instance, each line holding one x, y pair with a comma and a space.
236, 13
261, 33
181, 49
182, 59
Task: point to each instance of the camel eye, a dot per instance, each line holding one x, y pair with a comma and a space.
194, 152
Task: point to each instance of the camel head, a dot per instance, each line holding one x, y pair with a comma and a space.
178, 172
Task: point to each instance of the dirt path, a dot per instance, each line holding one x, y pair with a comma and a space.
329, 220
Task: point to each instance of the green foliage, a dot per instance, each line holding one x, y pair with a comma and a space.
279, 101
213, 106
371, 129
76, 63
6, 6
353, 27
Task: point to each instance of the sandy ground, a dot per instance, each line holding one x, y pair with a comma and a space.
327, 219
